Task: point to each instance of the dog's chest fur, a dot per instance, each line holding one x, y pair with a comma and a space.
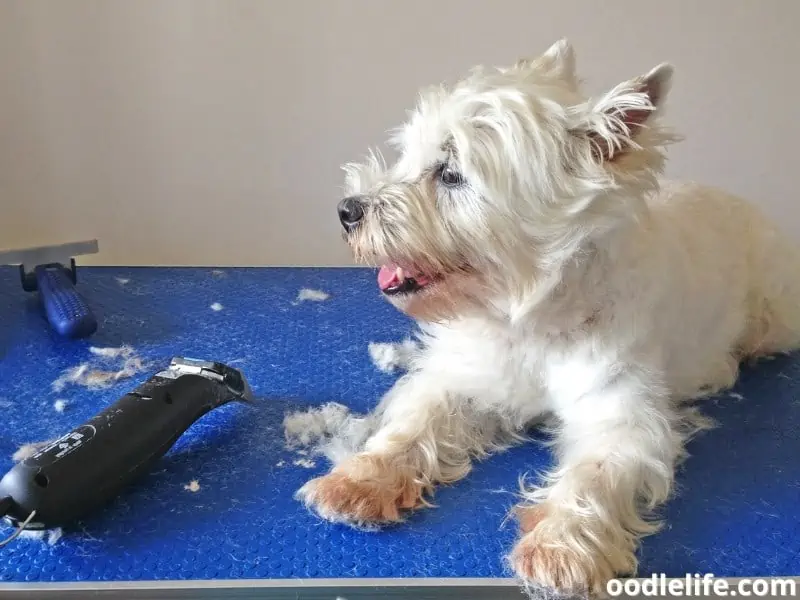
514, 371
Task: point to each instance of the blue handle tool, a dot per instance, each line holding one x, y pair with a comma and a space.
66, 310
51, 271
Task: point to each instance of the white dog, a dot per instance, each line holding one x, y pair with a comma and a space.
525, 228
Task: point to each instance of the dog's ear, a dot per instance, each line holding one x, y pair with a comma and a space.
558, 60
613, 122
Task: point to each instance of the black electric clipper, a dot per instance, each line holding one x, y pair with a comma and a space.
89, 466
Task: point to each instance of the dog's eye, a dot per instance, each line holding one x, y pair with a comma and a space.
450, 177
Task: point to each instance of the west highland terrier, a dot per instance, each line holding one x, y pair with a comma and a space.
552, 273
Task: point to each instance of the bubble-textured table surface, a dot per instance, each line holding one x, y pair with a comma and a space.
737, 511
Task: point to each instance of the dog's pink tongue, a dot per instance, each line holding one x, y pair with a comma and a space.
388, 277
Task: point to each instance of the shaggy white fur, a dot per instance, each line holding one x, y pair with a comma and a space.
552, 272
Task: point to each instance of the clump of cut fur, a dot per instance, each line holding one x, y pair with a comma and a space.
306, 295
96, 376
26, 451
329, 430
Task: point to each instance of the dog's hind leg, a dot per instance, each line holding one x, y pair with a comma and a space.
774, 307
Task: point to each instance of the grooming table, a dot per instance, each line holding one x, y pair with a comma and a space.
736, 514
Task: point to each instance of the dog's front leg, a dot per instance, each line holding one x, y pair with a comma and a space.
422, 438
617, 451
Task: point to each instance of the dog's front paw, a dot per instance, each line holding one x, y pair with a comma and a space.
568, 553
363, 491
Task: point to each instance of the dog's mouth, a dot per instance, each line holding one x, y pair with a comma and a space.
394, 280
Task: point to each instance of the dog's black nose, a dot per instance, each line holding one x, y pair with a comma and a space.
351, 211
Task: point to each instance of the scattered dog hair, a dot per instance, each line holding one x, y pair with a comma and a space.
193, 486
51, 535
391, 357
122, 280
312, 295
25, 451
54, 535
218, 273
280, 463
121, 352
736, 396
59, 406
306, 463
95, 378
35, 534
330, 430
72, 375
305, 428
216, 307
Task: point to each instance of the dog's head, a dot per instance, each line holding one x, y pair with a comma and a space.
501, 179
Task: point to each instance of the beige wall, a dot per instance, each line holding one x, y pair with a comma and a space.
211, 132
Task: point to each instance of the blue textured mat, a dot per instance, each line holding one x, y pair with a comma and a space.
737, 512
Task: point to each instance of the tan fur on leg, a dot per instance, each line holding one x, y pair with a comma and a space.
559, 568
530, 516
365, 489
570, 552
